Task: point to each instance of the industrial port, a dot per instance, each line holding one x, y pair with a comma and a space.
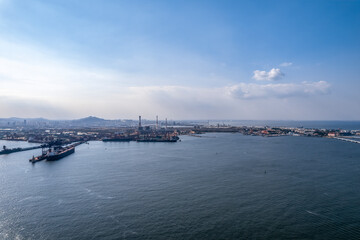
58, 141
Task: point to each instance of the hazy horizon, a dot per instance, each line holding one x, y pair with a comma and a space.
178, 119
263, 60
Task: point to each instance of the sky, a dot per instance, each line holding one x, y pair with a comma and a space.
245, 60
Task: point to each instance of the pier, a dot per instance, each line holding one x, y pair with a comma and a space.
348, 140
13, 150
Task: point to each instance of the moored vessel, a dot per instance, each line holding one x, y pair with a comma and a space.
119, 139
159, 139
59, 153
38, 158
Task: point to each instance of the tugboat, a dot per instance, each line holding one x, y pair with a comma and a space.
38, 158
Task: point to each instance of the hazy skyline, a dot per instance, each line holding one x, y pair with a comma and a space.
283, 60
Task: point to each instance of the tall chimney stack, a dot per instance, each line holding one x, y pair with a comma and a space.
157, 122
139, 121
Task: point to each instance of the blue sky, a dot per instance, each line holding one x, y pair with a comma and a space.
290, 60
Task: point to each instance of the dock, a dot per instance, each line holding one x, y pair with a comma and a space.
348, 140
13, 150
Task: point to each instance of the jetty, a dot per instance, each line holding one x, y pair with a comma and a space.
348, 140
13, 150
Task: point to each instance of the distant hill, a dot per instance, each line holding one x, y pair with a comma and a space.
90, 119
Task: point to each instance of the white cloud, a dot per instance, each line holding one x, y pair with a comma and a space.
286, 64
284, 90
273, 74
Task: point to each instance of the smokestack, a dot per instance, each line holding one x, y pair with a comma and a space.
139, 121
157, 121
165, 123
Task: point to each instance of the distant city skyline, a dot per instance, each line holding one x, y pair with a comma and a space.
248, 60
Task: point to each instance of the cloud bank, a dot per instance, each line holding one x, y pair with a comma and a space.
272, 75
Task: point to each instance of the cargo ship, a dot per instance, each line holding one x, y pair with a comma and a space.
159, 139
55, 153
59, 153
118, 139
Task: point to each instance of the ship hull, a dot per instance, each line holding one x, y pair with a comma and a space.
61, 155
156, 140
117, 140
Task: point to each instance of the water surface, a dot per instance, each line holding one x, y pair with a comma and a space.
220, 186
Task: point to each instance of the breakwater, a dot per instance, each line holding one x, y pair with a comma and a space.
13, 150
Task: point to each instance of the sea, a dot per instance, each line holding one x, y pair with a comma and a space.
214, 186
330, 125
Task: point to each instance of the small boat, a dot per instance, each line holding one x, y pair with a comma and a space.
38, 158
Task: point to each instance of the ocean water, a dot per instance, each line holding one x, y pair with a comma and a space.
345, 125
219, 186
